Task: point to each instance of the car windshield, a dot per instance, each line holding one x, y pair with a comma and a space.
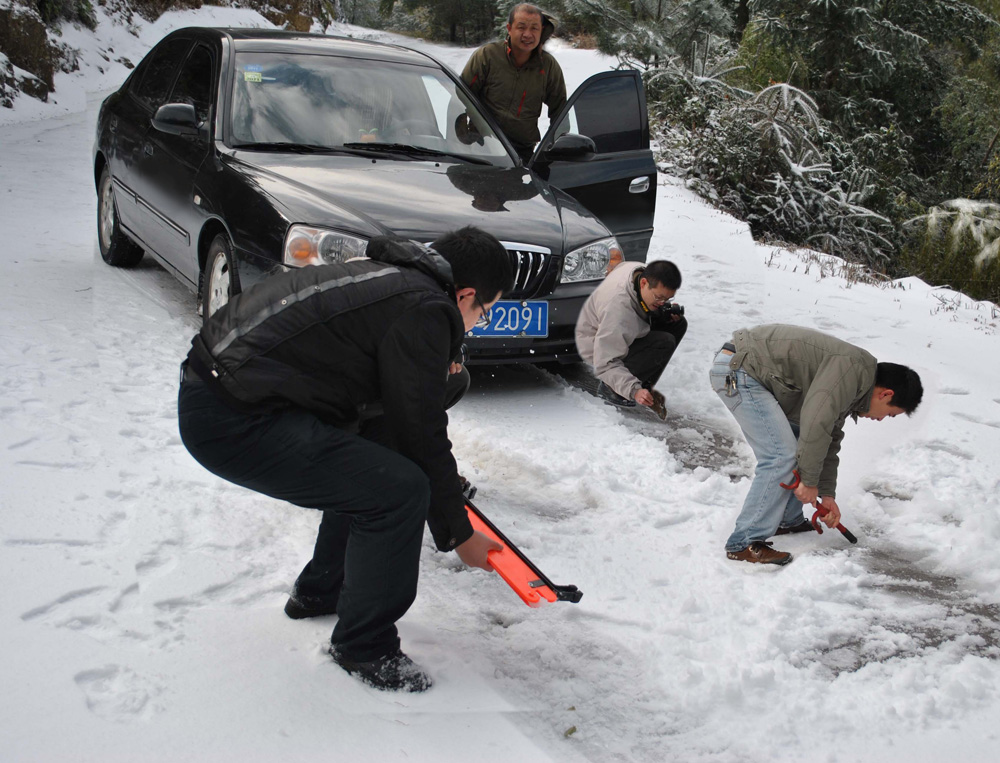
329, 101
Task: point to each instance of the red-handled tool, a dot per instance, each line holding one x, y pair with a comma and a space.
510, 563
821, 511
795, 482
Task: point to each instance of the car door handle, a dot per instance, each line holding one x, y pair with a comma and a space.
148, 150
639, 185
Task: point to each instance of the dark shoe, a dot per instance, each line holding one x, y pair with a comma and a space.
610, 396
300, 606
392, 672
760, 552
805, 526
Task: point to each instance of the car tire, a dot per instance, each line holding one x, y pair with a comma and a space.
220, 281
117, 249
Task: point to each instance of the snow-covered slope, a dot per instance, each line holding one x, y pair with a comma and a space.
141, 602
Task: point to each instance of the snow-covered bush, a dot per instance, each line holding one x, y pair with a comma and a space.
831, 123
70, 10
769, 158
958, 243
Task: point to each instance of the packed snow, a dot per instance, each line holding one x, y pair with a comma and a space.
142, 597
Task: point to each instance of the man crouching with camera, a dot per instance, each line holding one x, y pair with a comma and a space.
628, 330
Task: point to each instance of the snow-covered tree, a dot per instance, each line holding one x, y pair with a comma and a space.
868, 61
645, 33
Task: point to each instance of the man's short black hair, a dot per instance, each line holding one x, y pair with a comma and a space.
527, 7
478, 260
904, 383
662, 272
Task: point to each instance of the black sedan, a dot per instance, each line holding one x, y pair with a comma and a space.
229, 155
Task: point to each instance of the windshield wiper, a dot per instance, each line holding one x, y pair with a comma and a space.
405, 148
297, 148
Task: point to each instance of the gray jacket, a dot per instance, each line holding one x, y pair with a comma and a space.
610, 321
818, 381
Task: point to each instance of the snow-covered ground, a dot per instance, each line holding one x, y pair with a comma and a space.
140, 606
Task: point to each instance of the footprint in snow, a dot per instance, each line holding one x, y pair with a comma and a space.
117, 693
940, 446
825, 324
58, 603
976, 419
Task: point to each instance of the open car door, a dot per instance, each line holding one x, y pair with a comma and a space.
615, 175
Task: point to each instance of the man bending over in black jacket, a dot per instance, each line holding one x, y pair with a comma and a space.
326, 386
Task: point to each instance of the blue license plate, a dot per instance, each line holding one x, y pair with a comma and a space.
509, 318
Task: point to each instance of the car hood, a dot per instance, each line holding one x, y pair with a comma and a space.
419, 199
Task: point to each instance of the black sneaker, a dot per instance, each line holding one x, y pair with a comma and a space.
610, 396
805, 526
300, 606
391, 672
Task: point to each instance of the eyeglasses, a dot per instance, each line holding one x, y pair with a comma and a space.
485, 315
659, 299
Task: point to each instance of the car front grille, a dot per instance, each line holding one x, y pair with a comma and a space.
530, 264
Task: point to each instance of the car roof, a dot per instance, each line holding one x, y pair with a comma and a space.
283, 41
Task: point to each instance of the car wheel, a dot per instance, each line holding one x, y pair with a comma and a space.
116, 248
220, 281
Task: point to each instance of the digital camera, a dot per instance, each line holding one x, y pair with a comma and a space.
671, 309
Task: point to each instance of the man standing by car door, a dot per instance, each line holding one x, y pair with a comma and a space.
628, 331
790, 389
326, 387
514, 77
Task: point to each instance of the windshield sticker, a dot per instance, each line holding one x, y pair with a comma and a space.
253, 77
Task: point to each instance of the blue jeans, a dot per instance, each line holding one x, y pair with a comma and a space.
773, 439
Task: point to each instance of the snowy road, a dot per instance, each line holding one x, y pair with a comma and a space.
141, 606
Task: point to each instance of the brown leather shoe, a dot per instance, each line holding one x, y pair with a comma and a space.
760, 552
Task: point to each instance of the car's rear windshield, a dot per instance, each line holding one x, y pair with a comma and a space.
330, 101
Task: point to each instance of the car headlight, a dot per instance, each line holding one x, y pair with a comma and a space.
592, 262
305, 245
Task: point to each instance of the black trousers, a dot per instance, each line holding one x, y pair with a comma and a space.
374, 503
649, 355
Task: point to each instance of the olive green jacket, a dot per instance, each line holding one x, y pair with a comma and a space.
515, 96
818, 381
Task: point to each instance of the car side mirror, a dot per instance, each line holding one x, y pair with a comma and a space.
571, 146
177, 119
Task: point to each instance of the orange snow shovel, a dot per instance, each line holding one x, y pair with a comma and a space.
528, 582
